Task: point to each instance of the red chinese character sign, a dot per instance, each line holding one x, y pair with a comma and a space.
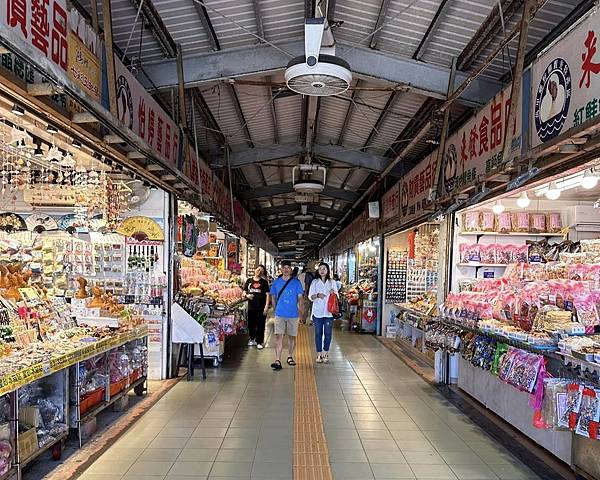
390, 203
475, 150
414, 189
40, 23
565, 83
143, 115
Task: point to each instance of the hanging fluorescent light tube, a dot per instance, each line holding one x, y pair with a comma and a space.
18, 110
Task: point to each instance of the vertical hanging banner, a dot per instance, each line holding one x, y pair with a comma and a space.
565, 83
42, 24
390, 205
141, 114
414, 189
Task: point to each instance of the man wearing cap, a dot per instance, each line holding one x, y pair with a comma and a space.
287, 294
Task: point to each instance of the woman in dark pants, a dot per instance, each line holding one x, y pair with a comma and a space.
257, 293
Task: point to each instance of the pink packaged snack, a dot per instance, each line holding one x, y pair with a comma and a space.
538, 223
488, 221
504, 221
470, 252
488, 253
554, 223
505, 254
471, 221
521, 253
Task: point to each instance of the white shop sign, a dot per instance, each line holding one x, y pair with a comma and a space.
565, 83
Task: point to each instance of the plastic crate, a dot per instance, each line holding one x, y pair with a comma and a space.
90, 400
118, 387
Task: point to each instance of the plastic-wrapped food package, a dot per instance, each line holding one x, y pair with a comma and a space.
589, 413
554, 222
570, 414
469, 252
471, 221
524, 371
488, 253
587, 314
488, 221
504, 222
538, 223
520, 222
505, 255
555, 393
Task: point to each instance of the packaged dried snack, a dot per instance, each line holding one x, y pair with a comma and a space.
537, 251
521, 253
504, 221
570, 415
488, 221
589, 413
488, 253
585, 308
554, 223
538, 223
471, 221
505, 254
520, 222
470, 252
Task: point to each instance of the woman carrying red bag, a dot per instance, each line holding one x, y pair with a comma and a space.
323, 293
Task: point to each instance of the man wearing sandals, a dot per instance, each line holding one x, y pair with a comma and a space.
287, 294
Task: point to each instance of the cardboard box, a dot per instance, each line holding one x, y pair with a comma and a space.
28, 443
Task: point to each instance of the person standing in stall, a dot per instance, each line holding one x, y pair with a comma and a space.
320, 289
257, 293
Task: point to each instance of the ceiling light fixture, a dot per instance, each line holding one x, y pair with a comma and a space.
498, 208
38, 151
523, 201
76, 143
589, 180
553, 192
51, 129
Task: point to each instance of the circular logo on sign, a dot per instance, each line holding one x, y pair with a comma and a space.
404, 199
552, 99
450, 166
124, 102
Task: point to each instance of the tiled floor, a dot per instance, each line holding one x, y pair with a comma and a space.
381, 421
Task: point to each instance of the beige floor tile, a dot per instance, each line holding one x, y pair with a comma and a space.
159, 455
423, 458
436, 472
198, 455
461, 458
150, 468
473, 472
383, 471
190, 468
111, 467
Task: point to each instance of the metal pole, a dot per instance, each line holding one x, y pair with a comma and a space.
110, 58
444, 135
181, 88
517, 80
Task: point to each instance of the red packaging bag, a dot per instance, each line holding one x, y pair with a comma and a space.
333, 304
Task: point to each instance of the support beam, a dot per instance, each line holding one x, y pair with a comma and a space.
42, 89
288, 218
374, 163
348, 113
295, 208
258, 18
207, 25
380, 20
439, 14
210, 120
285, 188
388, 105
157, 27
83, 117
311, 121
273, 112
240, 115
261, 59
486, 33
110, 58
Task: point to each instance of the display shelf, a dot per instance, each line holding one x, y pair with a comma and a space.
547, 351
35, 372
414, 312
510, 234
102, 406
42, 450
479, 265
12, 473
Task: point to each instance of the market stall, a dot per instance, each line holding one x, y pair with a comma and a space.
410, 284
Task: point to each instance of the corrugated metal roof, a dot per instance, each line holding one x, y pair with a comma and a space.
288, 117
400, 113
331, 119
283, 20
256, 105
229, 34
183, 23
455, 29
366, 109
219, 100
406, 23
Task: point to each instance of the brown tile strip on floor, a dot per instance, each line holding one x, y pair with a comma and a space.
311, 457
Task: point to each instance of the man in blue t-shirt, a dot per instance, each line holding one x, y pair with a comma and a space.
286, 296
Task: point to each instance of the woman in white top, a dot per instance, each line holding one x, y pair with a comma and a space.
319, 292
